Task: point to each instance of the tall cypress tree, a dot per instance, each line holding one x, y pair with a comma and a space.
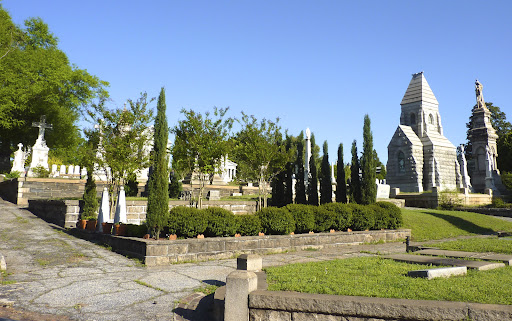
288, 182
158, 185
355, 181
300, 187
325, 180
368, 187
341, 186
278, 189
312, 182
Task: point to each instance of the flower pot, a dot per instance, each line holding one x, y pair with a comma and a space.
311, 232
292, 233
349, 230
91, 225
237, 235
119, 229
331, 231
261, 234
146, 236
107, 228
173, 237
82, 224
200, 236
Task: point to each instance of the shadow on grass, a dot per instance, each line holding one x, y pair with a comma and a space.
463, 224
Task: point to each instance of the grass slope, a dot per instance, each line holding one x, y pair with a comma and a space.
377, 277
428, 224
492, 244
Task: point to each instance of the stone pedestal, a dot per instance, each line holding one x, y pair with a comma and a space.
239, 284
39, 157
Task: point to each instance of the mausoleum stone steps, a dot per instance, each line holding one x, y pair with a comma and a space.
505, 258
421, 259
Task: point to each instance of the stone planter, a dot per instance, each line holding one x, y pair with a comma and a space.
91, 225
82, 224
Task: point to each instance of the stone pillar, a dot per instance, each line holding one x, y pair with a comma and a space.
239, 284
120, 216
249, 262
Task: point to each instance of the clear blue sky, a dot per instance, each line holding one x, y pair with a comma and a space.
316, 64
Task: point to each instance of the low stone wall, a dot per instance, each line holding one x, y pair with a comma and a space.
274, 305
505, 212
433, 200
61, 213
164, 252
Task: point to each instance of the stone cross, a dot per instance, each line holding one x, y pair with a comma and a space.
42, 126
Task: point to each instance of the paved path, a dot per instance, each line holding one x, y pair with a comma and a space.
55, 273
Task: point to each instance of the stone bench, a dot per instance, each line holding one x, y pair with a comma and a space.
444, 272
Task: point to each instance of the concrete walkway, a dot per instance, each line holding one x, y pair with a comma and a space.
51, 272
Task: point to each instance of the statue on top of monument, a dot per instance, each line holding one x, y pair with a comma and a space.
480, 103
42, 126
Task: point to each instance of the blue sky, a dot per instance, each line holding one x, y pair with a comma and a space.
317, 64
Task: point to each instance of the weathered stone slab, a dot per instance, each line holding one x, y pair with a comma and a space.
3, 265
418, 259
507, 259
439, 272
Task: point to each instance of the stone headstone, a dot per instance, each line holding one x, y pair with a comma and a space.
18, 165
383, 190
214, 195
76, 171
71, 170
40, 150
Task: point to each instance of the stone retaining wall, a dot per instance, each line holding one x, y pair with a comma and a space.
66, 213
164, 252
9, 190
276, 305
505, 212
433, 200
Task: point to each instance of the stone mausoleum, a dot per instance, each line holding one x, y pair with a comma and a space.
419, 156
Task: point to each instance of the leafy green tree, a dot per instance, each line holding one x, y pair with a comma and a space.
312, 189
50, 86
505, 152
368, 187
200, 143
341, 185
260, 153
90, 198
158, 185
300, 187
378, 163
124, 133
355, 180
175, 187
325, 178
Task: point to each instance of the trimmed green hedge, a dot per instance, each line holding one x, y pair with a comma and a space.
298, 218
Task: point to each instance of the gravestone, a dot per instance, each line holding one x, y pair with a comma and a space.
214, 195
18, 165
383, 190
40, 150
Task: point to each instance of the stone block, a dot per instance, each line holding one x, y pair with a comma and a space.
156, 250
213, 195
249, 262
3, 265
156, 260
300, 316
243, 244
393, 192
238, 286
202, 245
264, 315
438, 273
180, 248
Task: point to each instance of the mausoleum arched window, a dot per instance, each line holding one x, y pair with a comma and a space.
413, 119
401, 162
431, 119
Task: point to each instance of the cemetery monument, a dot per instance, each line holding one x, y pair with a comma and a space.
419, 155
40, 150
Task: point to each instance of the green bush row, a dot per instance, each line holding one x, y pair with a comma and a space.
298, 218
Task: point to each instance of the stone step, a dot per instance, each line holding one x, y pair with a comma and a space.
420, 259
444, 272
505, 258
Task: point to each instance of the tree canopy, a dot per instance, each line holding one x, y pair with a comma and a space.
260, 151
38, 79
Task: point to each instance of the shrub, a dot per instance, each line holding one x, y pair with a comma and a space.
341, 213
187, 221
90, 205
394, 214
276, 220
248, 224
324, 219
221, 222
40, 172
303, 216
363, 217
131, 186
136, 230
14, 174
381, 217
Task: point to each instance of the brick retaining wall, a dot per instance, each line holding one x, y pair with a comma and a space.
277, 305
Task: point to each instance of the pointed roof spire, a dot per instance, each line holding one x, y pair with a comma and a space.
419, 90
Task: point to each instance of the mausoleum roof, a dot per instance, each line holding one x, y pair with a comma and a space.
419, 90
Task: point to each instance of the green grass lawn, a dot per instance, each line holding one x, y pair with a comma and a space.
378, 277
491, 244
428, 224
